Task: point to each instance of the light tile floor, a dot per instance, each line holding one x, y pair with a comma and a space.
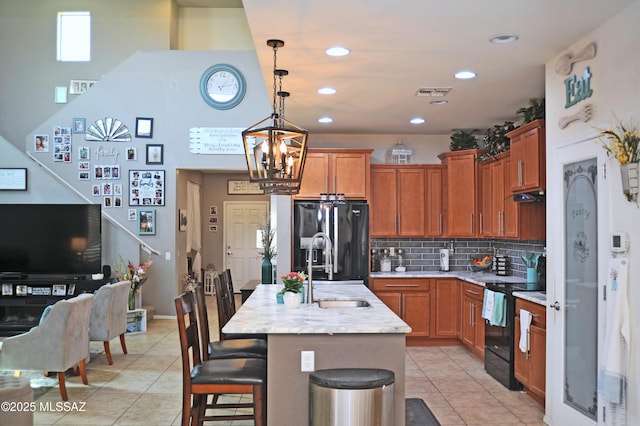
144, 387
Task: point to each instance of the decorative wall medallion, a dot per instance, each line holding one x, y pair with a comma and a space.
108, 130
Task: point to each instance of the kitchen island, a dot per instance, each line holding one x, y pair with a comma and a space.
364, 337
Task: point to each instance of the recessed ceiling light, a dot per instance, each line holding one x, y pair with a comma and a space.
439, 102
326, 90
417, 120
465, 75
504, 38
337, 51
325, 120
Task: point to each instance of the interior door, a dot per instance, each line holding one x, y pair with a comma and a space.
242, 220
577, 265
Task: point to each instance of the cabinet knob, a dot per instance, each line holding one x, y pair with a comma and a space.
555, 306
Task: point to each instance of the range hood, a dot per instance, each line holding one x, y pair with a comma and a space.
529, 197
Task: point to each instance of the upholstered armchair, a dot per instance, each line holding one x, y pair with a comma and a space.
109, 315
59, 342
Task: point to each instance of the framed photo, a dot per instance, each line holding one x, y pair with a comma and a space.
144, 127
132, 153
84, 175
21, 290
182, 220
71, 290
132, 214
147, 222
213, 220
7, 289
213, 228
155, 154
78, 125
59, 289
213, 210
13, 179
146, 187
41, 143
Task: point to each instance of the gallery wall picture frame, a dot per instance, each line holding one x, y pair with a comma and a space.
155, 154
13, 179
146, 187
146, 221
144, 127
132, 153
79, 125
41, 143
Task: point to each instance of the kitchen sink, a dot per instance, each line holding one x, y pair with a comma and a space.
344, 303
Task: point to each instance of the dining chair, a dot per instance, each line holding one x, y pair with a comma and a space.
202, 378
237, 348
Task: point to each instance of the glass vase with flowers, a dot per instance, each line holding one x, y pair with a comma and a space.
135, 274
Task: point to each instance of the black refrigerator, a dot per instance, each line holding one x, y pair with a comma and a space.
347, 225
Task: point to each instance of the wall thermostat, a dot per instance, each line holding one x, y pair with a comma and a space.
619, 242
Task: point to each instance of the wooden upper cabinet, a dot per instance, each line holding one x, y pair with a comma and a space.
398, 201
463, 178
528, 157
436, 181
341, 171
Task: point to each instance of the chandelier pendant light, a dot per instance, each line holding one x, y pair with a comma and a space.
275, 148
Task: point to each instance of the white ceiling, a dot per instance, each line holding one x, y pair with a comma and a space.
402, 45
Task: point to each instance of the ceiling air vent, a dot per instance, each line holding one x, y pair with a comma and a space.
434, 92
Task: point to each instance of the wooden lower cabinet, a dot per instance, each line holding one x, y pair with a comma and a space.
444, 313
430, 306
472, 327
409, 299
530, 367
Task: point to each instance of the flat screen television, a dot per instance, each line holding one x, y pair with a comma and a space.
50, 239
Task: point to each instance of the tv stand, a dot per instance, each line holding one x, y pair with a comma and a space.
22, 300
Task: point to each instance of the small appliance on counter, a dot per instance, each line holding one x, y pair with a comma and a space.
400, 257
444, 260
501, 263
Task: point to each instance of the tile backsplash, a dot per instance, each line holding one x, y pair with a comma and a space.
423, 254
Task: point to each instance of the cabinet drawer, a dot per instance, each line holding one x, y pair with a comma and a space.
539, 315
473, 290
401, 284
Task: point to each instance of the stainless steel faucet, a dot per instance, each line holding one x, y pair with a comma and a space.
328, 265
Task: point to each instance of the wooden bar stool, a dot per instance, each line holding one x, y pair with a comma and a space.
239, 348
214, 377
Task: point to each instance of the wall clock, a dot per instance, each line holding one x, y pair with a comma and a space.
222, 86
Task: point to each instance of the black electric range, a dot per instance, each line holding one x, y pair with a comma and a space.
498, 340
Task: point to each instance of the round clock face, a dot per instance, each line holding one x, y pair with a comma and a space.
222, 86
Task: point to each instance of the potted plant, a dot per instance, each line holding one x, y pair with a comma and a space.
293, 290
267, 235
496, 140
534, 111
461, 139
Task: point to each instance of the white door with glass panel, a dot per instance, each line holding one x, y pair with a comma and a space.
577, 218
242, 220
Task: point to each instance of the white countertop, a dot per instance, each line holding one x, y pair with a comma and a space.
261, 314
479, 278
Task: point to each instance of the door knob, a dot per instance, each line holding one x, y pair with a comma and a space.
555, 306
229, 253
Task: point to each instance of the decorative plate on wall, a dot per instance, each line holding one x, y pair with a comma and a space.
108, 130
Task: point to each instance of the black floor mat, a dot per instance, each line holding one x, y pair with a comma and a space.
418, 414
